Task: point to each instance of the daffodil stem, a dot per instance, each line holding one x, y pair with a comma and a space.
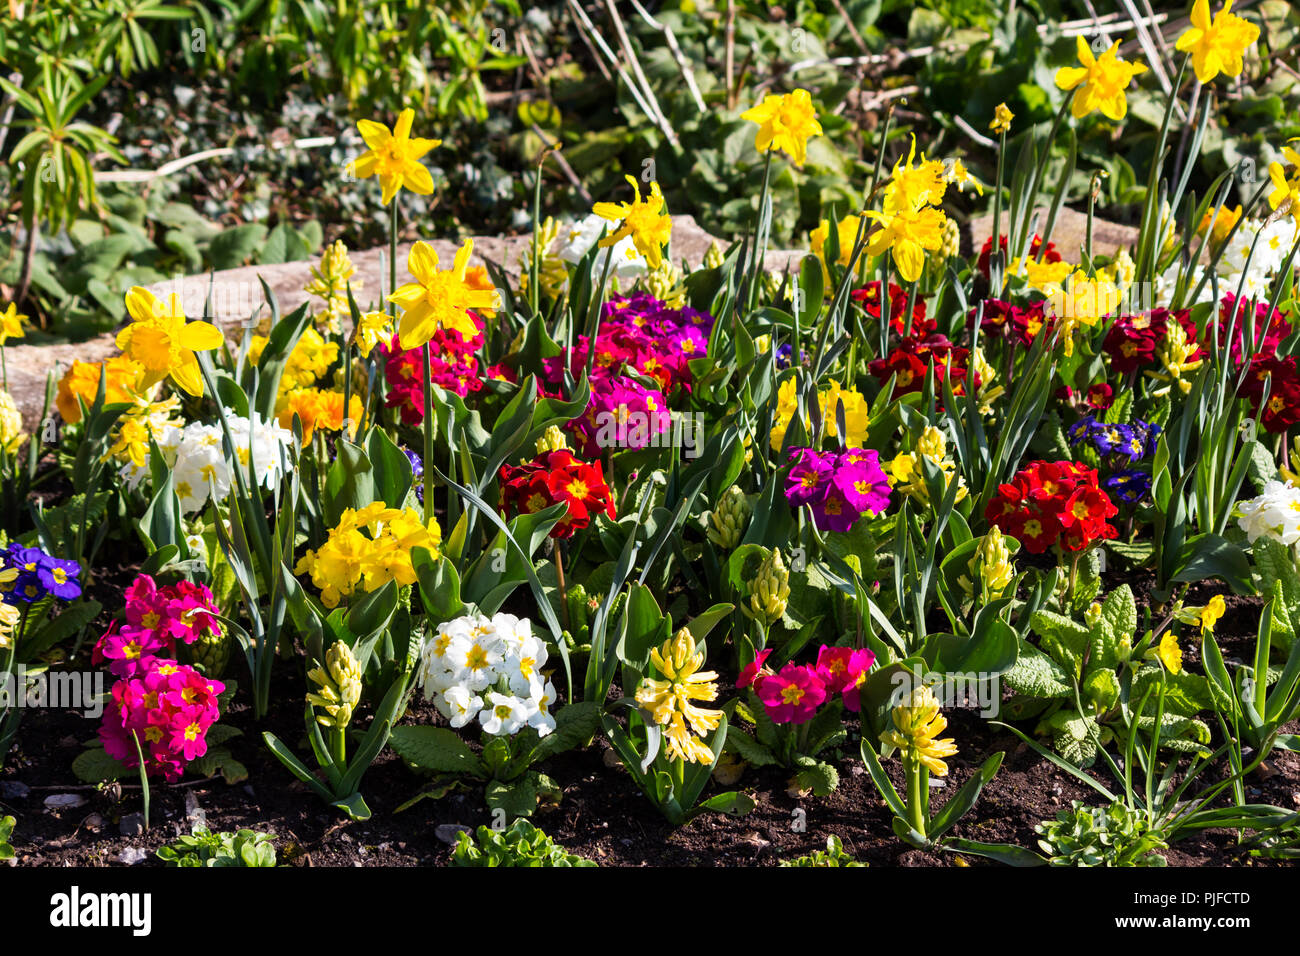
392, 257
429, 425
916, 783
759, 243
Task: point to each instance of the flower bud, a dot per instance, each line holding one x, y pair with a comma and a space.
338, 686
713, 258
1092, 615
728, 520
769, 591
552, 440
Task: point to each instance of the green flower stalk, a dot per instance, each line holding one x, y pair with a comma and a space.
769, 591
338, 686
727, 521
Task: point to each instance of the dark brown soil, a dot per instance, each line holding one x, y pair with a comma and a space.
602, 814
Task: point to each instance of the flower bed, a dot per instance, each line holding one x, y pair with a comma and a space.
621, 562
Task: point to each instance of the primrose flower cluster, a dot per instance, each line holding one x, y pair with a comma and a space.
196, 457
793, 694
839, 487
1049, 503
367, 549
156, 619
489, 669
556, 477
28, 575
166, 709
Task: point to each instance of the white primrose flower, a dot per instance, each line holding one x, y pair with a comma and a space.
1275, 514
504, 714
577, 240
459, 705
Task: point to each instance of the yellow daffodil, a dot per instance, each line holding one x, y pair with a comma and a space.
1286, 184
846, 231
1002, 118
917, 723
955, 172
1099, 84
11, 324
785, 122
163, 343
912, 186
1217, 45
438, 299
669, 701
394, 157
1083, 300
12, 435
370, 331
907, 234
644, 220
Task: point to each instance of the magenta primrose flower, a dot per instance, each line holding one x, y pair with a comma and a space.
839, 487
792, 694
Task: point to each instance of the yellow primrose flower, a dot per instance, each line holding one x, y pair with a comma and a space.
1046, 277
669, 701
1212, 611
143, 421
908, 235
1082, 301
438, 299
785, 122
349, 559
1170, 654
394, 157
1002, 118
645, 221
1098, 84
11, 324
916, 725
857, 413
163, 343
1217, 45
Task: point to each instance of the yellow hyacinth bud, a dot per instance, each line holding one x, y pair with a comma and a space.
552, 440
769, 591
713, 258
1092, 615
994, 563
338, 686
727, 522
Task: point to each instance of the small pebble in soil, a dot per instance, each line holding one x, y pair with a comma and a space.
94, 821
132, 824
132, 855
937, 784
450, 832
14, 790
193, 812
248, 789
64, 801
